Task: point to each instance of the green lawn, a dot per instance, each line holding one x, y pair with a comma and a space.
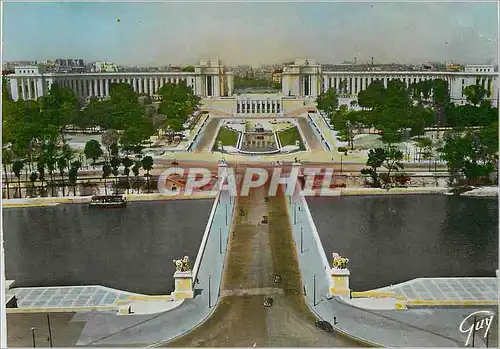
227, 137
289, 136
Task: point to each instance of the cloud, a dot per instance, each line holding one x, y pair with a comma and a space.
253, 33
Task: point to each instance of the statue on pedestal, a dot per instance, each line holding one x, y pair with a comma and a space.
182, 265
339, 262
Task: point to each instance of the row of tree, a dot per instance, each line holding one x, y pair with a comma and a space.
33, 137
112, 160
398, 112
471, 156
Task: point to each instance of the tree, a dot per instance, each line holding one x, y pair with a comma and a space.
135, 135
345, 121
40, 167
389, 157
6, 97
127, 163
392, 163
6, 160
158, 122
178, 101
147, 164
61, 165
108, 138
122, 94
328, 102
17, 167
49, 155
33, 178
115, 163
376, 158
73, 174
67, 153
475, 94
135, 169
106, 172
173, 124
188, 68
472, 154
93, 151
372, 96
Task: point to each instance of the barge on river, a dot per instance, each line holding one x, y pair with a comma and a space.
108, 201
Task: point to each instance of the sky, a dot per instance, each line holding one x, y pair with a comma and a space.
238, 32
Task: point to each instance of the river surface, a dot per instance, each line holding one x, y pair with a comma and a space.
392, 239
130, 249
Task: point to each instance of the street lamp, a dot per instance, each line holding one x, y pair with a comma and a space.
50, 331
301, 239
33, 336
209, 300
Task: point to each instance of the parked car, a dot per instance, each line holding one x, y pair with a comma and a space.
268, 302
324, 325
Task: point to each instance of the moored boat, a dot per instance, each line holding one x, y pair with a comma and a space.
108, 201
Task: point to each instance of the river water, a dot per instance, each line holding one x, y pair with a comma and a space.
130, 248
388, 239
391, 239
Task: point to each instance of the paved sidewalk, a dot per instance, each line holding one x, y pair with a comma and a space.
447, 289
107, 329
392, 328
31, 298
325, 130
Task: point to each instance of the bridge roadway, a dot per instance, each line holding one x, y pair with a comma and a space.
309, 134
257, 252
207, 136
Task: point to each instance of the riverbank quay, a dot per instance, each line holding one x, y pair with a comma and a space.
370, 320
489, 191
107, 328
359, 191
52, 201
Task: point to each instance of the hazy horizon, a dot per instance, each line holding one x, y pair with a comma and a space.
246, 33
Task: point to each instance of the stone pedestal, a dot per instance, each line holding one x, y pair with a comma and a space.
183, 285
124, 309
339, 283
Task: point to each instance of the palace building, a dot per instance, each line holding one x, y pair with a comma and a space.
302, 80
210, 79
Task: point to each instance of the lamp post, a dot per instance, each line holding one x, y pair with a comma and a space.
209, 300
341, 157
50, 331
220, 241
33, 336
474, 332
314, 290
301, 239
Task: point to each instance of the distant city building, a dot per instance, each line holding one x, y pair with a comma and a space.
245, 71
103, 67
13, 64
277, 75
68, 65
479, 68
